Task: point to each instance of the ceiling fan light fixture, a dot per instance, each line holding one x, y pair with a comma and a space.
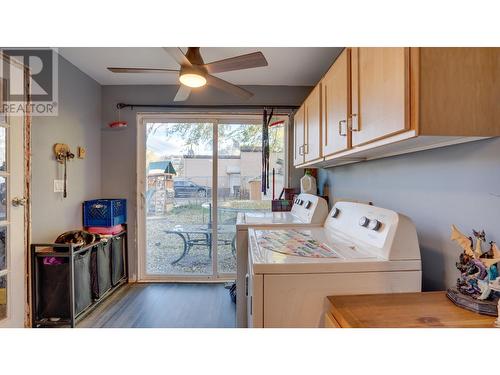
192, 79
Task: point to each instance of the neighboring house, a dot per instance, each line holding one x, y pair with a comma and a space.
234, 171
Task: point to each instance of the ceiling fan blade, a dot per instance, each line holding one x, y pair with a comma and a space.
141, 70
251, 60
182, 93
228, 87
178, 55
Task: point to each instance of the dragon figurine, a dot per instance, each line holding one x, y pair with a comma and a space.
477, 268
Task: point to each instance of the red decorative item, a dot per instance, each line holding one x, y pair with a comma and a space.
277, 123
117, 124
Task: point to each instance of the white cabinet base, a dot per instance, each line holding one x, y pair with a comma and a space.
299, 300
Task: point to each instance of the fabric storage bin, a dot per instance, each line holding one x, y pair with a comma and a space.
117, 259
101, 269
104, 212
82, 277
53, 292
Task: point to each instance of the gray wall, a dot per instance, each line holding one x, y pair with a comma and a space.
78, 124
452, 185
119, 146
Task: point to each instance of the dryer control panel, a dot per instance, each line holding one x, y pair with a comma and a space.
310, 208
389, 234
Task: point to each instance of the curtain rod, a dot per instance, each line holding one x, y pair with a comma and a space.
289, 108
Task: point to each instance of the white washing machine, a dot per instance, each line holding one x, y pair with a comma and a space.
361, 249
307, 210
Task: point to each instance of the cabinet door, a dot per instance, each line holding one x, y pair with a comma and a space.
335, 86
330, 321
298, 137
380, 93
312, 149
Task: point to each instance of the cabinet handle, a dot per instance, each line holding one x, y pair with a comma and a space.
340, 128
300, 150
246, 285
351, 128
306, 148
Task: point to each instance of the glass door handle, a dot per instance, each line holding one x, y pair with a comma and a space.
143, 200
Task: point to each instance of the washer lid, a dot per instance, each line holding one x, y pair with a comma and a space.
338, 254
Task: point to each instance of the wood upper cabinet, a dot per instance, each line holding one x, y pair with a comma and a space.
380, 93
312, 115
458, 91
335, 106
298, 137
398, 100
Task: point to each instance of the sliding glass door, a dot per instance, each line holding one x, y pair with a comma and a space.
195, 175
179, 198
239, 174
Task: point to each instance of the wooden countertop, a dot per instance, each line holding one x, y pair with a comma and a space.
404, 310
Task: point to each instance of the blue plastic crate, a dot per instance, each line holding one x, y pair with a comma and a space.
104, 212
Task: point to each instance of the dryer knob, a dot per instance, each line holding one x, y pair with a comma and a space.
374, 225
308, 204
364, 221
335, 212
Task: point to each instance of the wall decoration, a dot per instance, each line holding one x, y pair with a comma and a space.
81, 152
63, 155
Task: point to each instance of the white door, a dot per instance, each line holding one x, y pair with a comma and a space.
12, 245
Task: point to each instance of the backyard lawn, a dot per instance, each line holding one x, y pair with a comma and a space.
163, 249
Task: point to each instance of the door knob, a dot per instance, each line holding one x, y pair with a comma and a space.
16, 201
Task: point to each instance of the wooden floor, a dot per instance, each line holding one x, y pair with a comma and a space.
165, 306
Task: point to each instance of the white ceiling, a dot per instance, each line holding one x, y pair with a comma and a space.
297, 66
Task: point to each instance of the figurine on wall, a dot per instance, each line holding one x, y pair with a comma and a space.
477, 268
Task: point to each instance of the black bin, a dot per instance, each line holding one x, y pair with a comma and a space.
117, 259
53, 287
53, 291
101, 269
83, 292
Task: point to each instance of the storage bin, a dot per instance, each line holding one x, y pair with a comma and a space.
53, 291
83, 293
53, 287
117, 259
104, 212
101, 269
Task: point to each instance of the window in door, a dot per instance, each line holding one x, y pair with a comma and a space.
178, 200
239, 175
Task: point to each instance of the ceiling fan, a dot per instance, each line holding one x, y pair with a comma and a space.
194, 72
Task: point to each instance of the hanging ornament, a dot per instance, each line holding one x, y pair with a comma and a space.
118, 124
266, 120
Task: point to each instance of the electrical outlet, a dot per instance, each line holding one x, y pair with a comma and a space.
58, 186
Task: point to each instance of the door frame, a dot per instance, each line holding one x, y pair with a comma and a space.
215, 118
22, 160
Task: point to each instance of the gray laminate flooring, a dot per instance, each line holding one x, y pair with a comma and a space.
168, 305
